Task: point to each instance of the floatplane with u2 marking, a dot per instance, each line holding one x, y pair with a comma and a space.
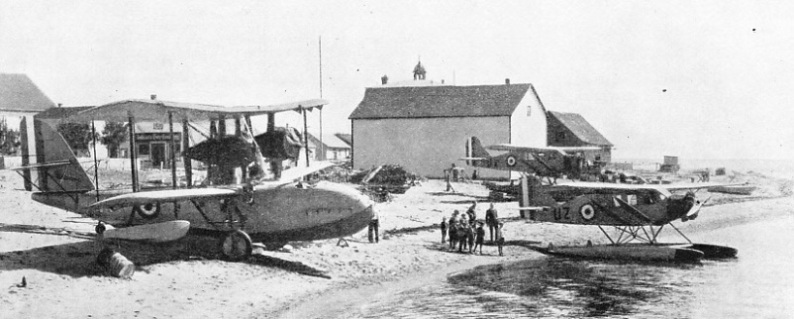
638, 213
269, 210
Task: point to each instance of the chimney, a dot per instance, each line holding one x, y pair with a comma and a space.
153, 96
384, 79
507, 81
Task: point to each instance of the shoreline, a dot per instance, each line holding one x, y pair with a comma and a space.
185, 280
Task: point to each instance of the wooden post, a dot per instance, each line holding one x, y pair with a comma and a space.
221, 125
96, 164
172, 146
305, 136
133, 154
185, 146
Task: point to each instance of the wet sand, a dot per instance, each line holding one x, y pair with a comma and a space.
318, 279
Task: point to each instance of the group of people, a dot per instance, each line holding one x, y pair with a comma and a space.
467, 233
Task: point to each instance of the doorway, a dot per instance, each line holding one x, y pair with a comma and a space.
157, 156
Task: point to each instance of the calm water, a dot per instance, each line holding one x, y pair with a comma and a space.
758, 284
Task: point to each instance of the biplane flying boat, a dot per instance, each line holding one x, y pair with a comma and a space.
551, 162
638, 213
273, 211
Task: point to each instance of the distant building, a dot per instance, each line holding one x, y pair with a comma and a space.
19, 97
336, 149
571, 129
20, 100
347, 138
425, 128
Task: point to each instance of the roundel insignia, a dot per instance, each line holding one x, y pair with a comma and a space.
148, 211
587, 211
511, 161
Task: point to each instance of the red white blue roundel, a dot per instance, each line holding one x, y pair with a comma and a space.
587, 211
511, 161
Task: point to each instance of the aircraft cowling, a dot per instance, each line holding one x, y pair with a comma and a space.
226, 151
280, 143
680, 205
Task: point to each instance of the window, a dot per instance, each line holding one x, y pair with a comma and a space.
143, 149
560, 136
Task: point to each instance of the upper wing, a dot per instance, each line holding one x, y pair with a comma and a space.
156, 110
140, 198
537, 149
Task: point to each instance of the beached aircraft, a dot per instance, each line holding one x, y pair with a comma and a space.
637, 212
552, 162
272, 211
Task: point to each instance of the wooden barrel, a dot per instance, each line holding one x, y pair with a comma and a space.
115, 263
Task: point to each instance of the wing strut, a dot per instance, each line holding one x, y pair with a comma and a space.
96, 166
133, 155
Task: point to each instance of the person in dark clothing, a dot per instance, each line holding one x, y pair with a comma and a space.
453, 230
492, 220
463, 231
480, 237
470, 237
472, 213
374, 223
443, 230
500, 240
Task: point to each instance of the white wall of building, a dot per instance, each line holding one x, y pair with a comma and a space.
425, 146
528, 122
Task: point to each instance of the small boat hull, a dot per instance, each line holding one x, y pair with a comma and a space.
684, 253
736, 190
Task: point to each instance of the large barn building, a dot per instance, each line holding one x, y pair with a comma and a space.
571, 129
425, 128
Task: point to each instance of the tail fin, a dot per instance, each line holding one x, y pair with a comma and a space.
474, 149
532, 195
56, 167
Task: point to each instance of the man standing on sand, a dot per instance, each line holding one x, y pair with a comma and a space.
374, 223
448, 177
492, 219
472, 212
443, 230
500, 241
480, 237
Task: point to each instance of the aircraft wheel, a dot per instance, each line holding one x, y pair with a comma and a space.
100, 228
236, 245
148, 211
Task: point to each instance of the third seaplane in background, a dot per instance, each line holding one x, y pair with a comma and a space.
638, 213
551, 162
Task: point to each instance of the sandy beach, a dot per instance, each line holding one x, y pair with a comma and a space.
186, 279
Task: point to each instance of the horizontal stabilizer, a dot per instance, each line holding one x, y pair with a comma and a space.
42, 165
473, 158
535, 208
159, 232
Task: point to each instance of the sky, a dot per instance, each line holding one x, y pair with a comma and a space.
697, 79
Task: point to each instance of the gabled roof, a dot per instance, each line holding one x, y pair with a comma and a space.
330, 141
61, 112
347, 138
580, 127
18, 93
440, 101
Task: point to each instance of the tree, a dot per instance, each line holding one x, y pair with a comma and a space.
77, 135
113, 135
